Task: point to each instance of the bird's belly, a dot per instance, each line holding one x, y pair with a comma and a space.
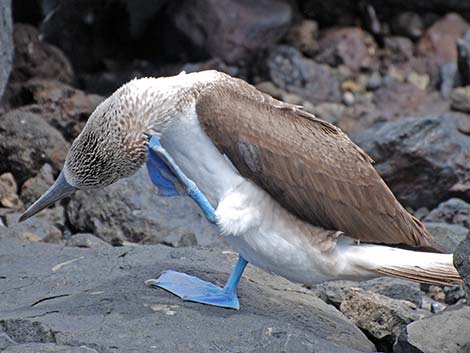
271, 238
290, 262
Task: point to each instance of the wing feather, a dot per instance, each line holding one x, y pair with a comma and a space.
308, 165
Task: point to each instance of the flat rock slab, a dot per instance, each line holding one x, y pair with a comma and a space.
96, 300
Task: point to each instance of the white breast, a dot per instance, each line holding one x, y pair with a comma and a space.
198, 158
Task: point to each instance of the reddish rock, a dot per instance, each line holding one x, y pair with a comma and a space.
233, 30
350, 46
35, 58
440, 39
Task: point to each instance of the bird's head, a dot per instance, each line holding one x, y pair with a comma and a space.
112, 145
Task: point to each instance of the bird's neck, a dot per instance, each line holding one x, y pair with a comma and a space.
152, 104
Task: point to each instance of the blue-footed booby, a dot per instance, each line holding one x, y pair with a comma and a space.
291, 193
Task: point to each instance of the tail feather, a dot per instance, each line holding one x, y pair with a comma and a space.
444, 277
417, 266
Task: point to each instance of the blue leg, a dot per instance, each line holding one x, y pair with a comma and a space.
193, 289
169, 178
157, 154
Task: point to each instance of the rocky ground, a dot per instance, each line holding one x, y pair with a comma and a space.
393, 74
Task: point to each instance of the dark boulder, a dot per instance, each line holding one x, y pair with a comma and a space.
413, 154
27, 142
35, 58
233, 30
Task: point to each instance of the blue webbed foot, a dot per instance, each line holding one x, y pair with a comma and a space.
160, 174
190, 288
193, 289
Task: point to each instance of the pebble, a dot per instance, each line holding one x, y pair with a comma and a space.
460, 99
348, 98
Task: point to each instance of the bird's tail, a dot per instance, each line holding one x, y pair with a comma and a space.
417, 266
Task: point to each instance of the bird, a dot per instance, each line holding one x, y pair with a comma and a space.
291, 193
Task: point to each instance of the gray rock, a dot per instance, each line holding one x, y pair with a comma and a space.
86, 240
6, 44
34, 187
374, 81
293, 72
178, 240
381, 317
448, 236
460, 99
252, 26
445, 332
47, 348
27, 142
453, 211
62, 106
45, 227
131, 210
97, 298
334, 292
462, 262
397, 99
413, 153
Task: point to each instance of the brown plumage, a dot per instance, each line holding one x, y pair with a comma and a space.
308, 165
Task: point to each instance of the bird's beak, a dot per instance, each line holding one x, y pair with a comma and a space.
60, 189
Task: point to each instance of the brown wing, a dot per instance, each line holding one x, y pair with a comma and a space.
309, 166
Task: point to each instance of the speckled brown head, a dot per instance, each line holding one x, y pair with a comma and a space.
111, 146
113, 143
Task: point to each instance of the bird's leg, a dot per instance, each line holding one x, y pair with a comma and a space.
163, 165
165, 173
